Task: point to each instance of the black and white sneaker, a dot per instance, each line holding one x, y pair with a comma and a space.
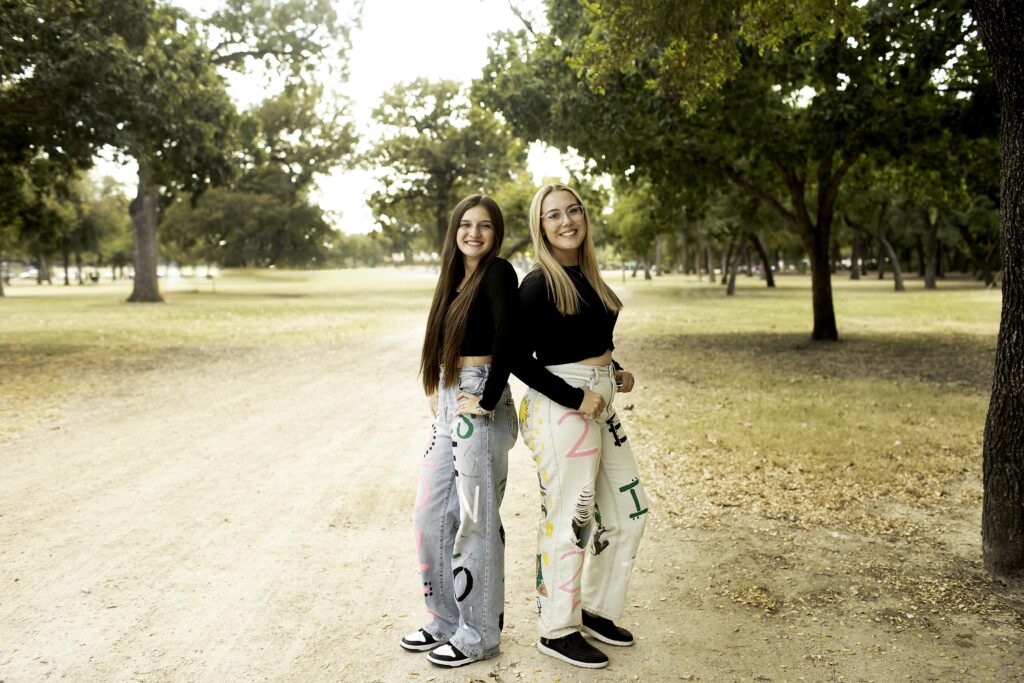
606, 631
420, 641
575, 650
450, 656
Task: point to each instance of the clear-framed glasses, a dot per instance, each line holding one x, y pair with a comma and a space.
574, 212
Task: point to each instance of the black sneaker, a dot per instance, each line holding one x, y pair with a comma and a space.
450, 656
575, 650
606, 631
420, 641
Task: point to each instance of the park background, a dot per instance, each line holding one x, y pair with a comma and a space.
800, 204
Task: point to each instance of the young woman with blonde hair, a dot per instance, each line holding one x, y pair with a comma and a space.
593, 507
468, 351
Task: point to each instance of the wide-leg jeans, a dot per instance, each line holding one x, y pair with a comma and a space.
459, 536
593, 507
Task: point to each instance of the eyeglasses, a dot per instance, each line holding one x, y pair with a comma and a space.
574, 212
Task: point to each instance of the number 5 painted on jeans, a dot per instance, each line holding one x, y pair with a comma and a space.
574, 452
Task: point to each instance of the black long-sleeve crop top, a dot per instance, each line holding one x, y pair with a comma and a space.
491, 327
557, 338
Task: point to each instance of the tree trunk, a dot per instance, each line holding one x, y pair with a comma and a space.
733, 267
659, 249
43, 274
897, 274
78, 265
821, 290
65, 253
929, 248
145, 288
2, 275
727, 259
758, 241
1002, 512
855, 257
647, 269
684, 253
883, 244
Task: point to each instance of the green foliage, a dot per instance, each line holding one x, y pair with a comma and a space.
65, 69
437, 147
241, 228
295, 38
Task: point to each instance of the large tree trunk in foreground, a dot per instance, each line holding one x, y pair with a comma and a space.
1002, 512
144, 211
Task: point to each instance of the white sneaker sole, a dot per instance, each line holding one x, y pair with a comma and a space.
420, 647
451, 664
558, 655
605, 639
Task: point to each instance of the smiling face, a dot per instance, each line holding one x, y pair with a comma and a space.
564, 226
475, 236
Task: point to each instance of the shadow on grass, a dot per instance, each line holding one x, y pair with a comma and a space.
947, 360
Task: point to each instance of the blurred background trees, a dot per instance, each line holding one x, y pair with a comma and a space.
708, 139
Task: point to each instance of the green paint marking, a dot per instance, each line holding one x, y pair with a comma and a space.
631, 487
456, 556
464, 422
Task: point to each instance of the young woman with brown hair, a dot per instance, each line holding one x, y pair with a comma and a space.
467, 355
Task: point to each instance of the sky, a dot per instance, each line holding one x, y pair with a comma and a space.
400, 40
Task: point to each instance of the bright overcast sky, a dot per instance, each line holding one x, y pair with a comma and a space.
400, 40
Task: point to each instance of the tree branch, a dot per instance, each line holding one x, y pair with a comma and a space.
519, 15
739, 181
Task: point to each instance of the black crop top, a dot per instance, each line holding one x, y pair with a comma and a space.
491, 327
558, 338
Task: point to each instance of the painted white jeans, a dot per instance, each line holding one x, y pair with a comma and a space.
459, 537
593, 507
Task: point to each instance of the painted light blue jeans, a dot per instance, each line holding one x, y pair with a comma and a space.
459, 537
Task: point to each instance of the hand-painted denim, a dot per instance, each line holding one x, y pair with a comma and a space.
459, 536
593, 506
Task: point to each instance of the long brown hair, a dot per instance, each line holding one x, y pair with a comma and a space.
567, 298
446, 324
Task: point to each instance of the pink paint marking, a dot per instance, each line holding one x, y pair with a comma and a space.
430, 463
424, 566
572, 586
424, 494
574, 451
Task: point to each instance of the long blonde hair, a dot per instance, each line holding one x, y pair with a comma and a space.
560, 285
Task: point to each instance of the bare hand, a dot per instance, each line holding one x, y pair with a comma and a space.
593, 404
469, 404
432, 400
624, 381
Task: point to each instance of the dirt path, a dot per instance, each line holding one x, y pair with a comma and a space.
249, 519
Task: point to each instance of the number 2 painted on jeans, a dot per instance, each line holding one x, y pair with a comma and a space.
574, 452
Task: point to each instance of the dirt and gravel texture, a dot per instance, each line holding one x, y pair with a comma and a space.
246, 516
